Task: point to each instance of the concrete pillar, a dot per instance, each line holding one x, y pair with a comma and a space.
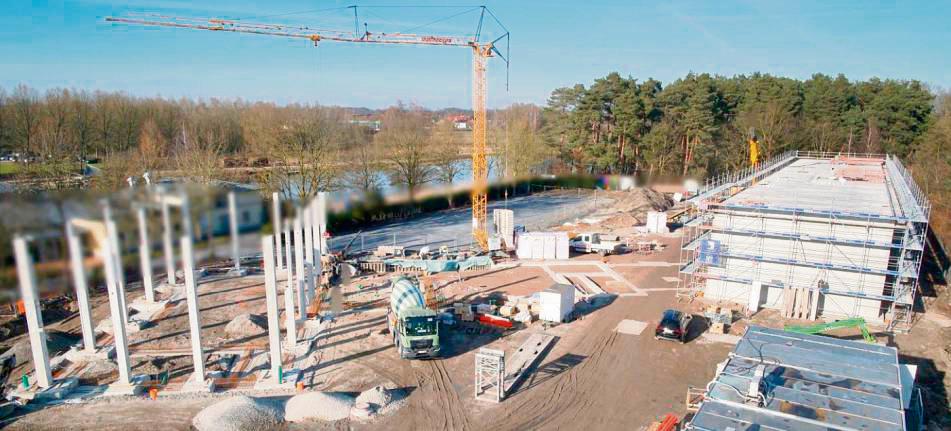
74, 242
270, 293
194, 319
300, 274
289, 262
112, 235
307, 223
318, 247
306, 292
276, 217
145, 254
34, 318
117, 315
233, 222
322, 219
167, 242
290, 314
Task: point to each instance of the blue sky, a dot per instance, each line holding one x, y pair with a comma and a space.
66, 43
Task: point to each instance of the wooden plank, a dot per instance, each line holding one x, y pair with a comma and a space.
814, 311
787, 302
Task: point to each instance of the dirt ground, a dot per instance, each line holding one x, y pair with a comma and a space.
593, 377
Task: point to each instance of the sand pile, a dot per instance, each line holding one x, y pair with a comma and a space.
246, 325
639, 201
238, 414
377, 400
328, 406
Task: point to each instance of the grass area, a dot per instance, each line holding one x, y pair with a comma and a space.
8, 168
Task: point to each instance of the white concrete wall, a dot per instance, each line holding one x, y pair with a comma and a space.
804, 251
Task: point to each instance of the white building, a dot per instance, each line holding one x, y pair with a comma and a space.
840, 236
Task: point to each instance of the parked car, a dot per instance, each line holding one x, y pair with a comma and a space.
673, 325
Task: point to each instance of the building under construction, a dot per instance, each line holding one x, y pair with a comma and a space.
814, 235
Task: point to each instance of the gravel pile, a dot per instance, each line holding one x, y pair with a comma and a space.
238, 414
377, 400
328, 406
246, 325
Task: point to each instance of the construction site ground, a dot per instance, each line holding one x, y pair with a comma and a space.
593, 377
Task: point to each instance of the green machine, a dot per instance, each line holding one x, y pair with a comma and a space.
856, 322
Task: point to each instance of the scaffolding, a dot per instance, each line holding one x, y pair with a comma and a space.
769, 226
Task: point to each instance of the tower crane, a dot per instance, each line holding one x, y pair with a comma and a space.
481, 52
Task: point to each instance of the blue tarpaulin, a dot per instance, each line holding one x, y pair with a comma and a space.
434, 266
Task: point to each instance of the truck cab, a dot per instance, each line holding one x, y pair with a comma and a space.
416, 334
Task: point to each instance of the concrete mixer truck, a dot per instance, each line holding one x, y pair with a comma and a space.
415, 328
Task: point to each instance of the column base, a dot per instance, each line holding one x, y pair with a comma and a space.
59, 390
237, 272
198, 383
266, 381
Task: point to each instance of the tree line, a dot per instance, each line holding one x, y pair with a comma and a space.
700, 124
305, 148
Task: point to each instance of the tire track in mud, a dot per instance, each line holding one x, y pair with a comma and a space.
571, 392
437, 388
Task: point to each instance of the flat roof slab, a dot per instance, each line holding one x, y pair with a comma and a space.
824, 185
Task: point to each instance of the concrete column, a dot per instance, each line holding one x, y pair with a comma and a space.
289, 262
194, 319
290, 315
318, 247
145, 254
276, 217
112, 235
233, 222
270, 292
117, 315
34, 318
307, 223
82, 289
322, 219
300, 274
167, 242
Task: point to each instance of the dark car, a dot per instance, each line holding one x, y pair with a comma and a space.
673, 326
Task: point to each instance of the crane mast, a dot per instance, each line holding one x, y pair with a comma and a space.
481, 52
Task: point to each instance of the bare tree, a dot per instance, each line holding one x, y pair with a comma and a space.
404, 138
305, 156
364, 162
56, 139
27, 115
517, 140
5, 127
198, 154
83, 126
